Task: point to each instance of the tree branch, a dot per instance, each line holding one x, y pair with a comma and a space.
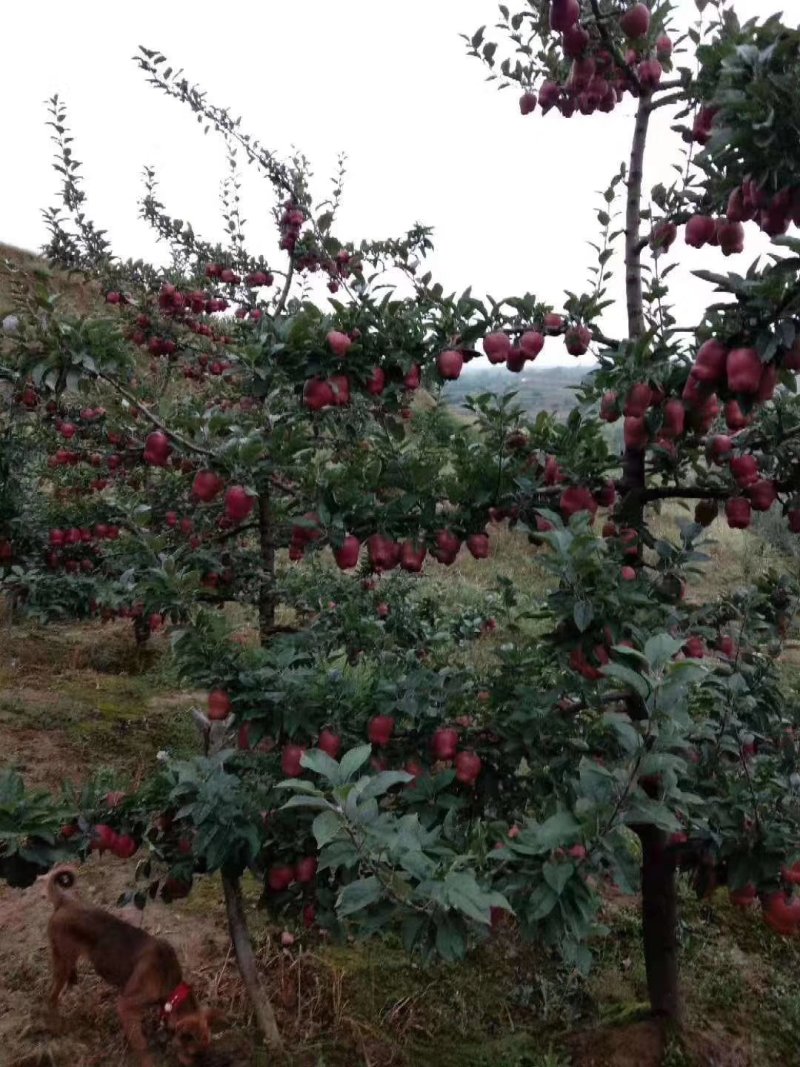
153, 419
666, 101
619, 59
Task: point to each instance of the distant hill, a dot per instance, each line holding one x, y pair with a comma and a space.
76, 293
538, 389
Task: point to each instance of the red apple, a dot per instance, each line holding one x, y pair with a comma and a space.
447, 546
695, 648
346, 555
330, 742
635, 433
719, 447
382, 552
305, 870
478, 545
318, 394
527, 103
664, 47
745, 470
628, 574
497, 347
710, 362
744, 369
782, 913
280, 877
412, 556
531, 343
380, 730
468, 766
124, 847
744, 897
730, 236
737, 511
412, 378
735, 419
700, 229
377, 381
103, 838
219, 705
576, 499
238, 503
577, 340
445, 743
339, 343
674, 418
449, 364
609, 407
636, 21
638, 400
206, 486
563, 14
290, 760
762, 494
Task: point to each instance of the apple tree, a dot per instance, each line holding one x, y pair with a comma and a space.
638, 734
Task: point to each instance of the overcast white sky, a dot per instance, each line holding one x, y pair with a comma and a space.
512, 200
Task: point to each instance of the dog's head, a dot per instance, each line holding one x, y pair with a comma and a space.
191, 1034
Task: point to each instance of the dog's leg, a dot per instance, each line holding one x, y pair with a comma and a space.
64, 973
130, 1009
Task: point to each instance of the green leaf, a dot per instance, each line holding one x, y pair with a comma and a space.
660, 650
353, 761
559, 830
465, 895
643, 810
326, 827
358, 895
629, 678
583, 613
540, 903
301, 801
321, 763
557, 875
451, 944
383, 782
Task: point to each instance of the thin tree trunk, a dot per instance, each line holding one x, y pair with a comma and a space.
633, 220
243, 948
659, 888
215, 737
660, 923
633, 472
266, 592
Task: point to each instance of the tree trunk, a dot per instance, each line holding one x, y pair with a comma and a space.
660, 923
659, 888
243, 947
266, 591
633, 472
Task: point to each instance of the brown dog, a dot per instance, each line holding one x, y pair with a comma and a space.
144, 968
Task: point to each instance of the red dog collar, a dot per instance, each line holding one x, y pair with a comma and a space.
177, 1000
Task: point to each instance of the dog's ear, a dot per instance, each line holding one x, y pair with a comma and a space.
213, 1017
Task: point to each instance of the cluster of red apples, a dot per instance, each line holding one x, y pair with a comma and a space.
597, 81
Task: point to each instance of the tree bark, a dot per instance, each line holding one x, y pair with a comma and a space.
659, 888
633, 472
243, 948
660, 923
266, 591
